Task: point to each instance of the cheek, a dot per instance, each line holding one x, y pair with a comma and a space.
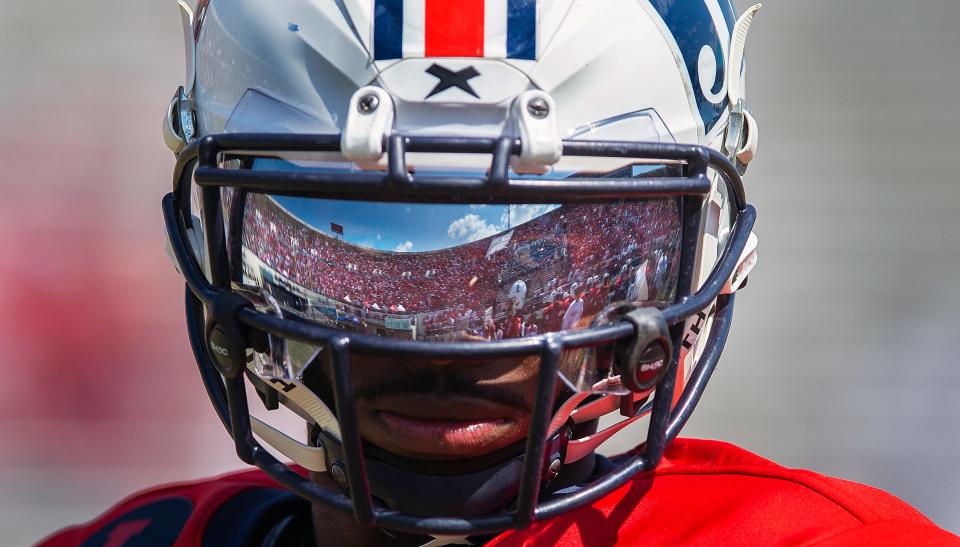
524, 375
570, 364
516, 375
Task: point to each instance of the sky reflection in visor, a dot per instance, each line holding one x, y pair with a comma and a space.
458, 272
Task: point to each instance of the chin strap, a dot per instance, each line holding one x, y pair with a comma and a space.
307, 405
309, 457
575, 411
581, 448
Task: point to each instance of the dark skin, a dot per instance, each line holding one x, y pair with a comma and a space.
498, 394
418, 408
335, 528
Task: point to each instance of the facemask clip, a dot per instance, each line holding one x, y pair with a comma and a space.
225, 340
642, 359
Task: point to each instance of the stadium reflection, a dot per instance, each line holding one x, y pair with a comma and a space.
538, 269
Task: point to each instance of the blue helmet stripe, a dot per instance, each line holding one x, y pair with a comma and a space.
692, 26
388, 29
522, 29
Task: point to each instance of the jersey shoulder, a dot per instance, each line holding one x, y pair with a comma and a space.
231, 509
710, 492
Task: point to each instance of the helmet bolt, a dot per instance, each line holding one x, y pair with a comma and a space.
339, 475
538, 108
368, 104
554, 469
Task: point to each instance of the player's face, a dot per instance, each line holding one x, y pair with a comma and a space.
441, 409
415, 272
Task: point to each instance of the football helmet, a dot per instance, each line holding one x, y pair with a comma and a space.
445, 185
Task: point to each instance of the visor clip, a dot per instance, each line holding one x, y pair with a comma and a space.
534, 114
642, 358
225, 340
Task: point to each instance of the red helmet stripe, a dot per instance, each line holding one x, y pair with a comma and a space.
454, 29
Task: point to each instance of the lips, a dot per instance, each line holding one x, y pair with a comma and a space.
435, 428
444, 437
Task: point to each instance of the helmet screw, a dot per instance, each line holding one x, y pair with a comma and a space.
554, 469
368, 104
339, 475
538, 108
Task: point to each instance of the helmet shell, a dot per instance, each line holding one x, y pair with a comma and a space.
595, 58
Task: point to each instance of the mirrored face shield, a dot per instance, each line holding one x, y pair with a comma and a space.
223, 324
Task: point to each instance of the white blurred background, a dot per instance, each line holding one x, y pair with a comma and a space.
841, 358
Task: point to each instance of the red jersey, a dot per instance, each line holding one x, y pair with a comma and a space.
703, 493
714, 493
513, 327
552, 317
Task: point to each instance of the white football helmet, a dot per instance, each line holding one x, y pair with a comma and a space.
369, 181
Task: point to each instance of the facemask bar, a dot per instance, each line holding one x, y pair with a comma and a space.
234, 315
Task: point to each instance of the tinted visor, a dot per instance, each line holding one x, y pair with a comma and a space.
454, 272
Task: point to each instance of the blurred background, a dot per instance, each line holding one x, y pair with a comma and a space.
841, 359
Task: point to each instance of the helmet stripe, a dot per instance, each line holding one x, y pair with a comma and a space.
468, 28
388, 29
695, 31
454, 31
522, 29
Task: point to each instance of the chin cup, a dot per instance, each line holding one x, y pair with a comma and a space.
225, 340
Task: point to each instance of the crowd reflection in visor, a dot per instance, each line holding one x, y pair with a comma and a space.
550, 274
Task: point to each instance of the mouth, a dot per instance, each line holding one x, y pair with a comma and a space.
430, 427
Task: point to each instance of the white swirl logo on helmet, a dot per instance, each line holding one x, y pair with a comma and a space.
707, 73
699, 30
